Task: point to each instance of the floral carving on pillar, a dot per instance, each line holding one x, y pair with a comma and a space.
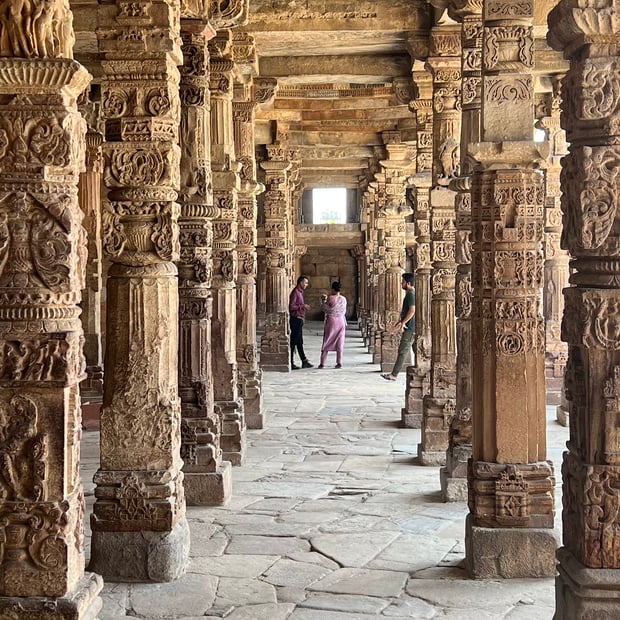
141, 416
43, 256
590, 233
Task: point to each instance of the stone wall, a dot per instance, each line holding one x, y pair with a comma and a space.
322, 266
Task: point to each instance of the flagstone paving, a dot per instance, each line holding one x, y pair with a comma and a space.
332, 518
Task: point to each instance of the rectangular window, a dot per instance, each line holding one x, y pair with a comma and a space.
329, 205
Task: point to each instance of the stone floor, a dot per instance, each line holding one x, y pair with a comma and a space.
331, 517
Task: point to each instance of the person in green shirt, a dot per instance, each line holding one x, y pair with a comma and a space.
406, 325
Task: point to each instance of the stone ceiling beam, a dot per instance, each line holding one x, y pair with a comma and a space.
361, 69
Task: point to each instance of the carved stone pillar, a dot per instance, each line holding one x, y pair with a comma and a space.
418, 375
275, 348
444, 63
454, 475
43, 270
250, 375
509, 531
90, 202
379, 327
208, 479
588, 585
397, 167
556, 259
226, 185
139, 512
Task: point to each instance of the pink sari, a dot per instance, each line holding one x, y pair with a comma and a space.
335, 309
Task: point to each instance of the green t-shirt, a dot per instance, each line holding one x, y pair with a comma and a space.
408, 301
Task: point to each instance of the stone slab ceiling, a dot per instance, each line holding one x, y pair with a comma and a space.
343, 72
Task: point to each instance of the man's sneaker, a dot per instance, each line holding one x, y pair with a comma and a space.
307, 364
294, 366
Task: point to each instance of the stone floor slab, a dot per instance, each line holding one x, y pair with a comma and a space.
363, 582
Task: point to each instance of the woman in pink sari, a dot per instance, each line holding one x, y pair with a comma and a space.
335, 307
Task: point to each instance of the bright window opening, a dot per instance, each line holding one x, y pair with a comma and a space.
539, 135
329, 205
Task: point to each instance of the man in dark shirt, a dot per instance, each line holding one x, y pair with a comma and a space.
406, 325
297, 309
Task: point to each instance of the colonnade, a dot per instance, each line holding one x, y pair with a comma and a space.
466, 200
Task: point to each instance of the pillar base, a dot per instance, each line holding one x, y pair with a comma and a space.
209, 489
585, 593
453, 489
509, 553
233, 440
433, 458
410, 420
253, 401
561, 415
82, 603
141, 556
453, 476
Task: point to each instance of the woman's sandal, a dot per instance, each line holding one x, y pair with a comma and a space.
388, 377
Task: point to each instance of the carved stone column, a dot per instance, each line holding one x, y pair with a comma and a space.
379, 327
509, 531
226, 185
444, 63
43, 258
418, 375
250, 375
588, 585
397, 167
556, 259
139, 512
454, 475
208, 479
90, 202
275, 348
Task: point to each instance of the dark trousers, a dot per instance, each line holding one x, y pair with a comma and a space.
297, 337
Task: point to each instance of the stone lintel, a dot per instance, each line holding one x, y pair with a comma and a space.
371, 69
141, 556
582, 592
508, 552
510, 154
81, 603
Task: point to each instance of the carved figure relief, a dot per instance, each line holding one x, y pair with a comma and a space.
23, 452
448, 160
36, 29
